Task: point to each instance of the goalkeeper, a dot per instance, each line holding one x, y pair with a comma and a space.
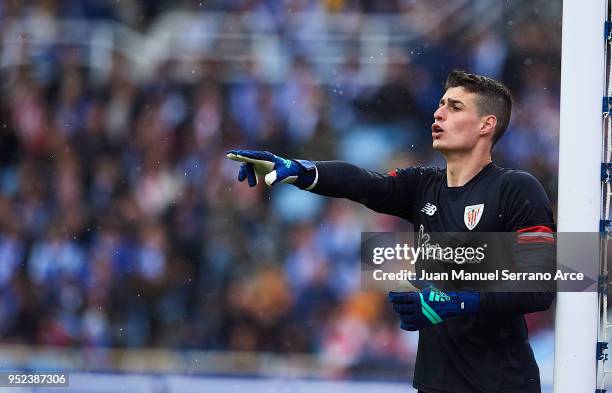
469, 341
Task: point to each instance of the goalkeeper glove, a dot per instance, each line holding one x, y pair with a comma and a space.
301, 173
421, 309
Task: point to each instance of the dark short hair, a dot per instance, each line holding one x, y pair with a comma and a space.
494, 97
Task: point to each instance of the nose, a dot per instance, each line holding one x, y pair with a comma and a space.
439, 113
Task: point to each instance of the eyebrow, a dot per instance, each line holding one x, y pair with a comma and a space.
451, 101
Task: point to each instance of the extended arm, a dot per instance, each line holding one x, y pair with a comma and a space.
389, 193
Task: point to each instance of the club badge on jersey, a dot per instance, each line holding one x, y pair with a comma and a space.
472, 215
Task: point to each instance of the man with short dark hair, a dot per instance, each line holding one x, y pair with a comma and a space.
470, 340
492, 97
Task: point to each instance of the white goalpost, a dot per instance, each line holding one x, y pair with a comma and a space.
580, 202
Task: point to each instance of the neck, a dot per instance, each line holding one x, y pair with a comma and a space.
462, 167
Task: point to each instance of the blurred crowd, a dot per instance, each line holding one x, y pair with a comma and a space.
122, 222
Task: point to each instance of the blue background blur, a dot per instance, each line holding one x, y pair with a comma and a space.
121, 221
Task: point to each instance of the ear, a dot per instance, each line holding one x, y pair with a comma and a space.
488, 125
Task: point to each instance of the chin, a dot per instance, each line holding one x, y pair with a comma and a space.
436, 145
441, 147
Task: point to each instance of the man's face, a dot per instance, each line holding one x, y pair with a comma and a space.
457, 123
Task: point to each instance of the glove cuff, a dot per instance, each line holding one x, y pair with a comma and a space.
308, 176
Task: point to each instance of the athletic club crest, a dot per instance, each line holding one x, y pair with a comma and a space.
472, 215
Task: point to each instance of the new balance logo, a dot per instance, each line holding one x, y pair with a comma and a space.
429, 209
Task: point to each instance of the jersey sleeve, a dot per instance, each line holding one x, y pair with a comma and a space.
393, 193
529, 217
526, 202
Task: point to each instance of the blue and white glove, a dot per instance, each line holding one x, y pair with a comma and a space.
420, 309
274, 169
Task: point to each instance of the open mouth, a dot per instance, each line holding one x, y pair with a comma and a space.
436, 129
